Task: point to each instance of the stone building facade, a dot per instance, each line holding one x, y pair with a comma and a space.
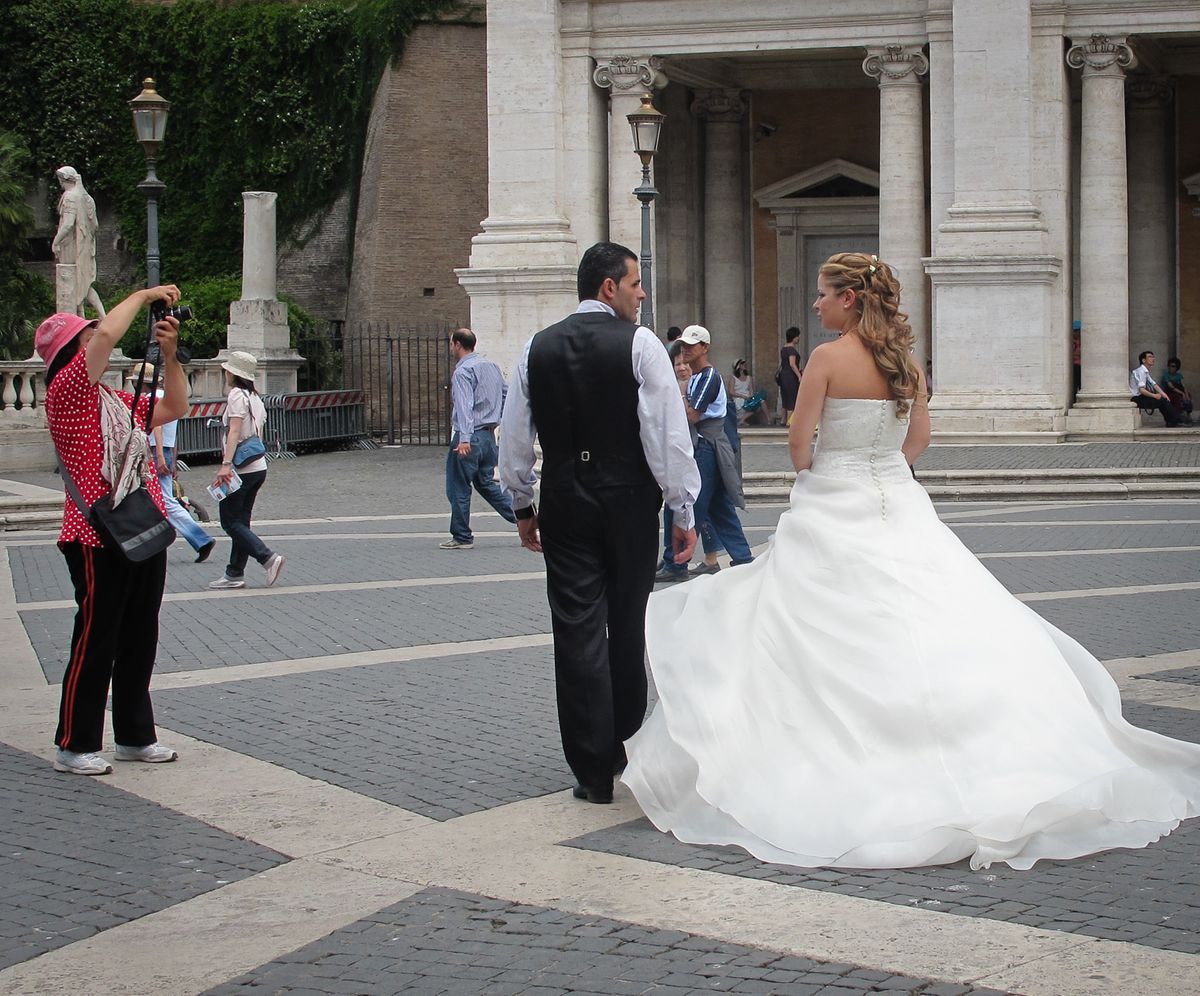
1024, 164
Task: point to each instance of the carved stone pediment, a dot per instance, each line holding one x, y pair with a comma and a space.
835, 178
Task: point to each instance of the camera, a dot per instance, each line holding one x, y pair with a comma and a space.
154, 353
160, 310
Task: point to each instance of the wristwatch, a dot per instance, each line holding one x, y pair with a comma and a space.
528, 512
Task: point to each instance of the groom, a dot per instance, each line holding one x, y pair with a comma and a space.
601, 395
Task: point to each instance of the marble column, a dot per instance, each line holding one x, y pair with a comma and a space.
1151, 220
626, 78
996, 276
523, 263
726, 310
1103, 400
899, 68
258, 321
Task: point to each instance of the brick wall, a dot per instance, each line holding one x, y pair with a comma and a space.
423, 192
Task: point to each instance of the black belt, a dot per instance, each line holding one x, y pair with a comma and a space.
490, 425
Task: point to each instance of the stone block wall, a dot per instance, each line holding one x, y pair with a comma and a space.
1187, 100
423, 192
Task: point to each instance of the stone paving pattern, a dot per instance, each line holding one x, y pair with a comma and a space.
446, 941
212, 633
1149, 896
441, 737
78, 856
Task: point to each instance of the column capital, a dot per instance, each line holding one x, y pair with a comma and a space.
1102, 55
628, 72
719, 105
1148, 93
895, 64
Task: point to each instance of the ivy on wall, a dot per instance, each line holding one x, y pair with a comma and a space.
265, 95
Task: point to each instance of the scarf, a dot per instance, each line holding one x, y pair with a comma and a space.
126, 452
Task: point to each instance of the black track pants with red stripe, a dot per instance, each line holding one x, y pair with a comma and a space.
115, 639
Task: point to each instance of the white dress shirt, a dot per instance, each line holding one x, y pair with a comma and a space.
666, 438
1139, 377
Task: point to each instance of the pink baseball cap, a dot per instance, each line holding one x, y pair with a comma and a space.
56, 331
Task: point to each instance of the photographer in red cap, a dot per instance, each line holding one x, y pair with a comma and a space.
115, 637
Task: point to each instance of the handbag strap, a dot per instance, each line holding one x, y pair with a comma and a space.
71, 486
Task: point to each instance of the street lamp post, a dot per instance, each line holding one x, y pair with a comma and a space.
646, 123
150, 125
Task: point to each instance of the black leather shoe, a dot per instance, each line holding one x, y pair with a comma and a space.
204, 551
600, 796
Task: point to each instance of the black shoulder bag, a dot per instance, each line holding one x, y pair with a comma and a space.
136, 528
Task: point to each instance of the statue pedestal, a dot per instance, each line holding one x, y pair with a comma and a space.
259, 327
64, 288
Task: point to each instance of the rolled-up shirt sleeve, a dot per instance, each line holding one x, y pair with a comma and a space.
666, 437
517, 456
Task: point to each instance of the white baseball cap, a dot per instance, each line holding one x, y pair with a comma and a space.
694, 334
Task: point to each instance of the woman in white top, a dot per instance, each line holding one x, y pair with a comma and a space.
245, 417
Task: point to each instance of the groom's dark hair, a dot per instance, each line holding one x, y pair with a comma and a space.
601, 261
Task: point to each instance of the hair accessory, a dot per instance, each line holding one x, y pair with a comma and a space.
874, 263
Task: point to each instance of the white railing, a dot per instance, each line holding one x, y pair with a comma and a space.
22, 385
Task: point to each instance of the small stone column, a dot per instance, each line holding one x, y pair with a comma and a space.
626, 78
899, 69
1151, 221
1103, 400
258, 321
725, 311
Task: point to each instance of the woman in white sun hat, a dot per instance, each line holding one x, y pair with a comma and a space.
245, 418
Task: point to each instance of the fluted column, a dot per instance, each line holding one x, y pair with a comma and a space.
899, 68
1151, 220
725, 299
626, 78
1103, 233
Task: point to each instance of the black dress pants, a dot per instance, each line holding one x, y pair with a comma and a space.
601, 551
115, 640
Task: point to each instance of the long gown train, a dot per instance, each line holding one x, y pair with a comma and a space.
867, 695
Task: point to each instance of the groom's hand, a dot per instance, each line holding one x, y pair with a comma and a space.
683, 542
531, 538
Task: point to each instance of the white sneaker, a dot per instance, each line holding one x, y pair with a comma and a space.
222, 583
274, 566
80, 764
151, 753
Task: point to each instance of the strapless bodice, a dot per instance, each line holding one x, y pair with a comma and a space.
860, 439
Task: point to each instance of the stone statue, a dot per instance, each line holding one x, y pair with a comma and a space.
75, 244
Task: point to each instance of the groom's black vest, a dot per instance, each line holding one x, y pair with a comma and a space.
584, 399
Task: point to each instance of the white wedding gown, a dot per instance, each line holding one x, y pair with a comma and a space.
866, 695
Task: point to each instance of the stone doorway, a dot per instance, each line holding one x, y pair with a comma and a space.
831, 208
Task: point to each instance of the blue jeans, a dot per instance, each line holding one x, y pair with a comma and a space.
478, 470
177, 515
715, 508
236, 509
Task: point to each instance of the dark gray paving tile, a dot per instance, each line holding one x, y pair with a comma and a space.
78, 856
505, 947
441, 737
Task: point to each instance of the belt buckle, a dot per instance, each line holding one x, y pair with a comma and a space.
585, 456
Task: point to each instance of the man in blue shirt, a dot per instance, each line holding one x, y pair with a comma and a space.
477, 395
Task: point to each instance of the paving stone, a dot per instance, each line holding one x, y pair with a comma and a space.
71, 837
405, 961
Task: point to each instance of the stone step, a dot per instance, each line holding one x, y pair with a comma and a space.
1014, 484
30, 513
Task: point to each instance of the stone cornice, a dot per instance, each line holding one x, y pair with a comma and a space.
628, 72
1102, 55
895, 64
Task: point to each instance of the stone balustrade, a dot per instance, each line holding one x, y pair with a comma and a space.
21, 389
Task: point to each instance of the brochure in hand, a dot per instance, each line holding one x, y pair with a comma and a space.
219, 491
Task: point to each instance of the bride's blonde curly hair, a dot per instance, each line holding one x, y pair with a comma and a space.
881, 324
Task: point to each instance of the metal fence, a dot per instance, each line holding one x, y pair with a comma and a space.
402, 370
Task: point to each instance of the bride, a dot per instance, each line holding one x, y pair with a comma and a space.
867, 695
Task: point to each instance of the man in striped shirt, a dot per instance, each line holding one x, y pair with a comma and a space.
477, 395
